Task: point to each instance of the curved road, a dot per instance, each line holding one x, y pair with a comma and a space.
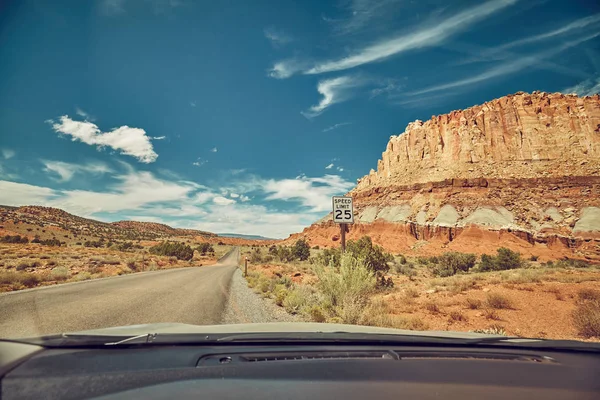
187, 295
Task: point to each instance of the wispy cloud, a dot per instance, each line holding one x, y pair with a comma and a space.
277, 37
117, 7
329, 166
222, 201
589, 87
332, 127
214, 150
84, 115
333, 91
425, 36
499, 52
192, 104
129, 141
8, 153
505, 68
64, 171
286, 68
159, 137
112, 7
362, 14
341, 169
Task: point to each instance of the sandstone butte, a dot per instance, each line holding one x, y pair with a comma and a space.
521, 171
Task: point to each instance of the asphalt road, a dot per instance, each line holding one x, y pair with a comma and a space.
194, 295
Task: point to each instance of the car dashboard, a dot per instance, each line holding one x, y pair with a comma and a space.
294, 371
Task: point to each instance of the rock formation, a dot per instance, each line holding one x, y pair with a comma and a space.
522, 171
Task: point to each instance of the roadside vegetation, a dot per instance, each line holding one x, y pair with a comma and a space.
498, 293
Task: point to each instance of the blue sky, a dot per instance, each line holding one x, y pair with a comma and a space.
246, 116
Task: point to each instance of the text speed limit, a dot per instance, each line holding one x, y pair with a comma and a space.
343, 210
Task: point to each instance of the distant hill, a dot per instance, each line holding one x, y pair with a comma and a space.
240, 236
56, 218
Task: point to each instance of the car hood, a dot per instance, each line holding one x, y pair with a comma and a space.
283, 327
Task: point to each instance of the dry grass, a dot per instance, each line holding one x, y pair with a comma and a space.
498, 301
456, 316
588, 294
586, 318
490, 313
432, 307
473, 304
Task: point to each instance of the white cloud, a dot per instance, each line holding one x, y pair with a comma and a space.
214, 150
336, 126
589, 87
425, 36
277, 37
341, 169
8, 153
200, 162
334, 91
244, 198
222, 201
329, 166
314, 193
19, 194
65, 171
129, 141
159, 137
234, 195
505, 68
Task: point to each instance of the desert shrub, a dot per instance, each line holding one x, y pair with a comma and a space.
96, 243
22, 266
570, 263
329, 257
472, 303
588, 294
14, 239
280, 293
346, 291
586, 318
492, 330
457, 316
451, 263
23, 278
504, 260
296, 299
498, 301
301, 250
204, 248
490, 313
315, 313
51, 242
82, 276
256, 256
173, 249
373, 256
432, 307
131, 263
316, 247
401, 259
533, 258
60, 274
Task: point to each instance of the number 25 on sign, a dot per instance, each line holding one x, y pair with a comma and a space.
343, 211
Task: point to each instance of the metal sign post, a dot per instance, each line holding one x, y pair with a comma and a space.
343, 214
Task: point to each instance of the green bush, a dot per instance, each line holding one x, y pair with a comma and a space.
173, 249
498, 301
50, 242
329, 257
82, 276
14, 239
204, 248
569, 263
301, 250
256, 256
504, 260
373, 256
451, 263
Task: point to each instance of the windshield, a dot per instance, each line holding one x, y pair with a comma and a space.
423, 166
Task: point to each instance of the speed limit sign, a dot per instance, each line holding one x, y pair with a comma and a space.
343, 210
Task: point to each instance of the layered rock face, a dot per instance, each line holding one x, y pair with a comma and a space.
522, 171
